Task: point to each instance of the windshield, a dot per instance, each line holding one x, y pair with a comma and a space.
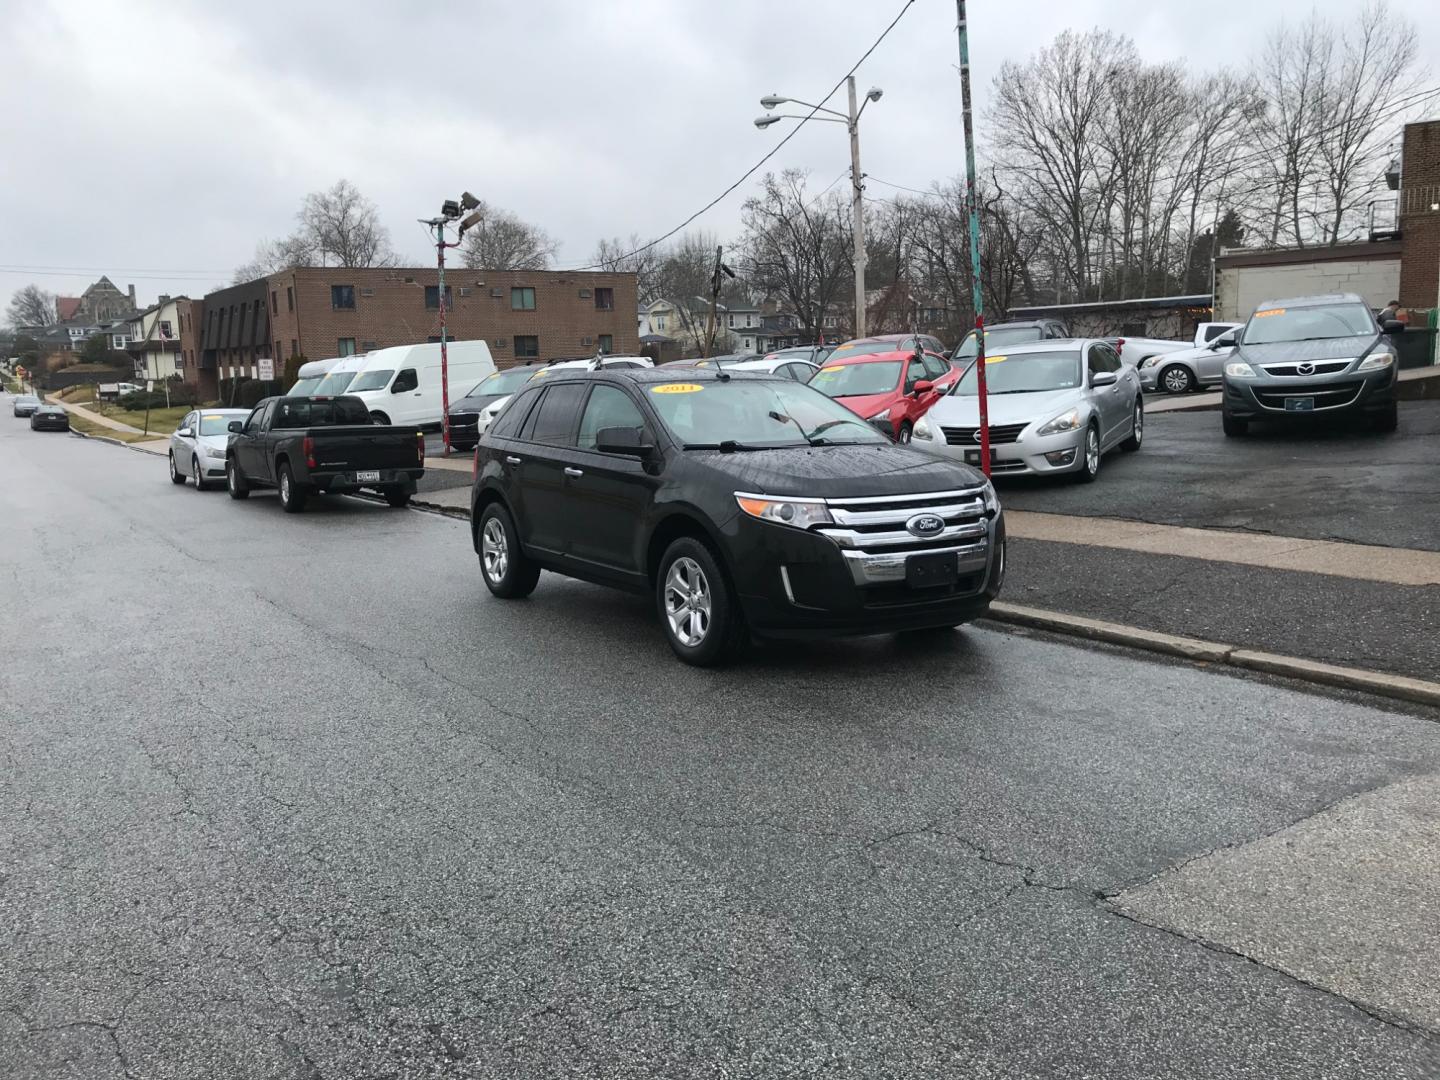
502, 382
1024, 373
337, 382
304, 387
866, 348
302, 413
855, 380
1309, 323
372, 380
753, 413
996, 340
216, 424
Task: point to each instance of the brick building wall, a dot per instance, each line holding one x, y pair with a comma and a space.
1419, 224
572, 315
190, 313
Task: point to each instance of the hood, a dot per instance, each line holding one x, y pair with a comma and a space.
1335, 348
219, 442
837, 472
867, 405
476, 402
1004, 408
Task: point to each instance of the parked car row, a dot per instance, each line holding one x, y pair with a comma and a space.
42, 415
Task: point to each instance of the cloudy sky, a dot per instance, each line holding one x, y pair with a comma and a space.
158, 140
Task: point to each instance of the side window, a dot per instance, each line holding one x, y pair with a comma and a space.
509, 420
1101, 359
935, 368
252, 422
188, 422
608, 407
1111, 358
913, 374
553, 420
405, 381
798, 372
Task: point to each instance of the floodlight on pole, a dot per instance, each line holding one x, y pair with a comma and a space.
762, 122
769, 101
468, 201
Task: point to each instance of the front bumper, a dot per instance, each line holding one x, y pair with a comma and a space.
796, 583
47, 424
1264, 398
1028, 455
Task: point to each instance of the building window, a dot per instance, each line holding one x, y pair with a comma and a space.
345, 346
730, 321
274, 302
278, 350
432, 298
659, 322
294, 347
289, 298
527, 344
342, 297
604, 299
522, 299
607, 344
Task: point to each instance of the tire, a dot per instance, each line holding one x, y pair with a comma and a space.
1234, 425
196, 474
1137, 433
698, 609
234, 482
1176, 379
380, 418
293, 495
176, 476
398, 497
1387, 421
906, 434
1089, 456
508, 572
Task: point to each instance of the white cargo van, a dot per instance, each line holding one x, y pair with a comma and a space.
340, 375
309, 376
401, 385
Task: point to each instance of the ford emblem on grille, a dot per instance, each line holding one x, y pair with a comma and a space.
1306, 368
925, 525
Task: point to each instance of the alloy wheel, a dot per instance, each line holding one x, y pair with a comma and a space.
1092, 451
687, 602
1139, 433
195, 472
494, 551
1177, 381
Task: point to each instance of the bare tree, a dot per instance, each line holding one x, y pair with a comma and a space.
342, 224
797, 248
627, 257
31, 306
273, 256
502, 241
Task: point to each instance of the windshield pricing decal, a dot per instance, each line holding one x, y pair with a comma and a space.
832, 369
677, 388
1267, 314
994, 360
212, 418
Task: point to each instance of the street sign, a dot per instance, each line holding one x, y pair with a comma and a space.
267, 368
149, 385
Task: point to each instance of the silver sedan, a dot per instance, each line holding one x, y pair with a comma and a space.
1054, 407
197, 448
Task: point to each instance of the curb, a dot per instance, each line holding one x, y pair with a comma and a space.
116, 442
1402, 687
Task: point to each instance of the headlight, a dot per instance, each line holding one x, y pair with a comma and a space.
1376, 361
1153, 361
883, 414
1238, 369
922, 429
801, 513
991, 500
215, 452
1066, 421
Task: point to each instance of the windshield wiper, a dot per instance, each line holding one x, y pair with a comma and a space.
727, 446
782, 417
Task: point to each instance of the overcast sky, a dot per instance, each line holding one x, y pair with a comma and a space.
158, 140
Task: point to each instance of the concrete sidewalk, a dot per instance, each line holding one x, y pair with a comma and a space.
93, 417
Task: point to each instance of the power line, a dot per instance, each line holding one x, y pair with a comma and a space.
26, 271
756, 167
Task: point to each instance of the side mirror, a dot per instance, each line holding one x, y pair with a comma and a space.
1102, 378
184, 433
1393, 326
622, 440
924, 386
235, 426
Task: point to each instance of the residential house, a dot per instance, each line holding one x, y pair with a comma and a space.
154, 340
102, 303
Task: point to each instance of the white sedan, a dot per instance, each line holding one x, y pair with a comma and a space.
197, 448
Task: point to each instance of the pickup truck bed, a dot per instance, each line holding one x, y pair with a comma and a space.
270, 449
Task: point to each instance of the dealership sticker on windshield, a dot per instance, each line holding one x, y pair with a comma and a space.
677, 388
994, 360
1267, 314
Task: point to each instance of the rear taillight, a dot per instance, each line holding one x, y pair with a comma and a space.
420, 445
308, 447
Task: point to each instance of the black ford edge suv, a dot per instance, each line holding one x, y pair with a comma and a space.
746, 504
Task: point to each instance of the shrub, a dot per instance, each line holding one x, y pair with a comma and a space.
141, 400
252, 392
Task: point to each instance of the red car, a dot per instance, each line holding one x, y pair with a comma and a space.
890, 389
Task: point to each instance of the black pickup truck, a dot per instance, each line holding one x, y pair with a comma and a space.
307, 445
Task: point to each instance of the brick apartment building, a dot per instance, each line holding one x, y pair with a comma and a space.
319, 312
1418, 216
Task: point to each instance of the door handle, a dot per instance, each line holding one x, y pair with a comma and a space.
512, 461
574, 472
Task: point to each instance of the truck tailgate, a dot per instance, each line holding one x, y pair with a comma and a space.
348, 449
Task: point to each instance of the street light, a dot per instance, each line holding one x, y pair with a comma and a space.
851, 120
450, 210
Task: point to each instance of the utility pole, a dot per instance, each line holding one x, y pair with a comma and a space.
857, 208
449, 211
715, 279
977, 299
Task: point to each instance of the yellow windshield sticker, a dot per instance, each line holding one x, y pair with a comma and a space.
212, 418
1267, 314
994, 360
833, 367
677, 388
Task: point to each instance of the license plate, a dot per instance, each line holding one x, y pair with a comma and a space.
931, 571
367, 477
972, 457
1299, 404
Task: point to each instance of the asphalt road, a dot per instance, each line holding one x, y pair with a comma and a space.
1307, 482
293, 797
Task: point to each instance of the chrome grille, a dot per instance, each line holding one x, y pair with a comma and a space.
1320, 367
872, 537
968, 436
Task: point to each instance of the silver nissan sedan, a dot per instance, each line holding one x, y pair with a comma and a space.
1054, 407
